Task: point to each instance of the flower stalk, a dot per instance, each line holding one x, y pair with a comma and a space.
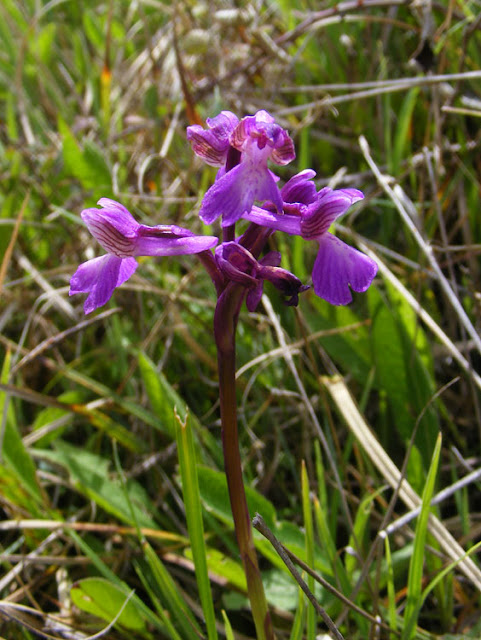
225, 323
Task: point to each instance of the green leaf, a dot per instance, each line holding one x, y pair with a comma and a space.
50, 415
401, 374
281, 590
229, 634
391, 591
93, 30
350, 348
309, 527
86, 164
416, 565
112, 578
162, 397
357, 536
90, 474
221, 565
114, 429
105, 600
43, 45
403, 128
300, 617
96, 174
16, 460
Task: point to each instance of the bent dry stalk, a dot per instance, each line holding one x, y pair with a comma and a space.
241, 150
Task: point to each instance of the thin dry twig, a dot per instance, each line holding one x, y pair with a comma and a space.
259, 524
395, 84
283, 551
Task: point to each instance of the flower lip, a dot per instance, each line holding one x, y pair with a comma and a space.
339, 267
99, 277
234, 193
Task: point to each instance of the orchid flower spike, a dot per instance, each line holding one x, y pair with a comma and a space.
114, 227
310, 213
241, 149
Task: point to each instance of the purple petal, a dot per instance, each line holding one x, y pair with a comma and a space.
213, 144
271, 259
235, 193
300, 188
113, 227
116, 214
170, 240
330, 204
86, 275
284, 151
267, 188
338, 266
254, 296
108, 235
259, 126
223, 124
100, 277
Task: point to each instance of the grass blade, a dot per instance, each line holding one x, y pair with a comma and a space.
391, 591
193, 513
309, 526
171, 595
415, 576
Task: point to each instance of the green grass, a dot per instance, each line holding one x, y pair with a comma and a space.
114, 516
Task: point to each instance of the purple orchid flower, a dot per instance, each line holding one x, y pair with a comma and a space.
244, 177
310, 213
239, 265
124, 239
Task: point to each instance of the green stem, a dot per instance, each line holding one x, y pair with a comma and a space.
225, 323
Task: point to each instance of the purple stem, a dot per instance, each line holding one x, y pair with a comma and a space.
225, 323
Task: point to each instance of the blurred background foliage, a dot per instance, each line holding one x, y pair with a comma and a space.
94, 101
